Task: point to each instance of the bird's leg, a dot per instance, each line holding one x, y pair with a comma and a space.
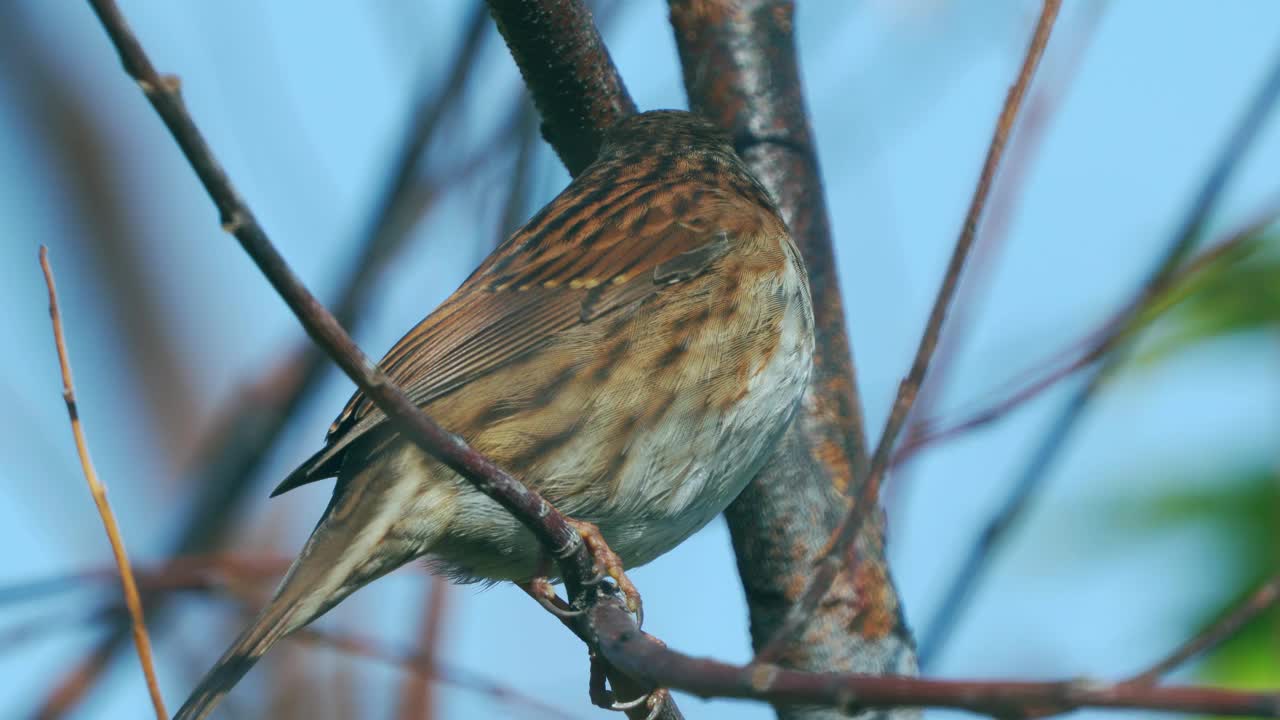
610, 564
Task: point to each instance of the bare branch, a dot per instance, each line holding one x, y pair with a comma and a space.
1055, 83
835, 557
650, 662
568, 71
538, 515
1119, 327
228, 463
99, 492
966, 579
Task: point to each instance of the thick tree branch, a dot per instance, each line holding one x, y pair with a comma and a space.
740, 70
973, 567
843, 539
568, 71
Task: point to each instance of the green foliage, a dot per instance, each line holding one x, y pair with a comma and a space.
1243, 510
1237, 292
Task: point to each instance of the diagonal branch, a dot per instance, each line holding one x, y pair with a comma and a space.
1118, 328
970, 573
842, 540
1041, 110
228, 464
540, 517
1259, 601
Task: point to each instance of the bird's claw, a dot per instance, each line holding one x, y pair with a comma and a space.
653, 701
610, 564
541, 590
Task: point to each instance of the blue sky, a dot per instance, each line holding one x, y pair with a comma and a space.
304, 108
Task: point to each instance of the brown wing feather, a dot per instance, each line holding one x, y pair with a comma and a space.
585, 255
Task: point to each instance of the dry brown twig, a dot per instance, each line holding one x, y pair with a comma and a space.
132, 600
1046, 96
834, 559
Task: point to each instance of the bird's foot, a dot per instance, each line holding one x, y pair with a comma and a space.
602, 697
611, 565
540, 589
652, 701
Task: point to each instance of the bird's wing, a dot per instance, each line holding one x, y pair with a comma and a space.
586, 254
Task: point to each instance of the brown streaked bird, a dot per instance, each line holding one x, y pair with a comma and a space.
633, 353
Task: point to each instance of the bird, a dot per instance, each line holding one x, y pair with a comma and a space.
634, 353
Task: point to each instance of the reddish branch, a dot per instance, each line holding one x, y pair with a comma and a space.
650, 662
229, 461
1098, 343
1055, 83
568, 71
842, 540
543, 520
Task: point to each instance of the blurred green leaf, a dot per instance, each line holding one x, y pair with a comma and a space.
1238, 292
1243, 508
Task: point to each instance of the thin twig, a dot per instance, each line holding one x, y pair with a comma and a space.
835, 558
99, 492
976, 561
546, 523
1053, 88
1258, 602
1097, 343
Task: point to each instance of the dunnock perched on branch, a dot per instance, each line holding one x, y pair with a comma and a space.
633, 353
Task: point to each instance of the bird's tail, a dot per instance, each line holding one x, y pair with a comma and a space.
345, 551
